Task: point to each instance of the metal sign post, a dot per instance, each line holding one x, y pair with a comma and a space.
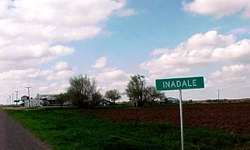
179, 84
181, 121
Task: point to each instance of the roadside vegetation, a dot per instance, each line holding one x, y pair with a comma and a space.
80, 129
83, 93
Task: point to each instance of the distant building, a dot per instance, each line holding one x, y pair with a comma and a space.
23, 98
42, 100
48, 99
30, 102
25, 101
104, 102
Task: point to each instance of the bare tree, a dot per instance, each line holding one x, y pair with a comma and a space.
113, 95
62, 98
135, 89
83, 91
151, 94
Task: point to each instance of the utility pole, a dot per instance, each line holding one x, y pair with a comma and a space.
218, 94
16, 96
9, 100
29, 94
12, 98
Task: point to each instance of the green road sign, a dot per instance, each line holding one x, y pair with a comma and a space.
180, 83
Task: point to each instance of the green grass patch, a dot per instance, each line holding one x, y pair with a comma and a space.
72, 129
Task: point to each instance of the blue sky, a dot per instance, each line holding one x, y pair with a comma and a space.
111, 40
155, 25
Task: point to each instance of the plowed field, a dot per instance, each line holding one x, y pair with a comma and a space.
230, 117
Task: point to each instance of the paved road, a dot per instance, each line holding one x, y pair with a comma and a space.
14, 137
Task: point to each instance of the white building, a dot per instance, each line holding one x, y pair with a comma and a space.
31, 102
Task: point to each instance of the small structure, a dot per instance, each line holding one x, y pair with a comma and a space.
23, 98
48, 99
168, 100
104, 103
30, 102
173, 100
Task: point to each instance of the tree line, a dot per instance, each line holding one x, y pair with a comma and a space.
83, 92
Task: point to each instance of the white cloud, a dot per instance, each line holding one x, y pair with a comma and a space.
240, 31
238, 50
62, 66
57, 72
234, 76
60, 71
40, 52
109, 77
218, 8
112, 78
100, 63
199, 49
32, 30
208, 40
202, 54
35, 32
53, 80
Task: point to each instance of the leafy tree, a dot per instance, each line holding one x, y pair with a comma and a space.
62, 98
83, 91
113, 95
151, 94
135, 89
96, 98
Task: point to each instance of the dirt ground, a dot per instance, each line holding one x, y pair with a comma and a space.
230, 117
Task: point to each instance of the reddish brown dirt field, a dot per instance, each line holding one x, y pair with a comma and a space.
230, 117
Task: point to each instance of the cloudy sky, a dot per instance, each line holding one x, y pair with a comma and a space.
43, 43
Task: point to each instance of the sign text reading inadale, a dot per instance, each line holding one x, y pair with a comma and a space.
180, 83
